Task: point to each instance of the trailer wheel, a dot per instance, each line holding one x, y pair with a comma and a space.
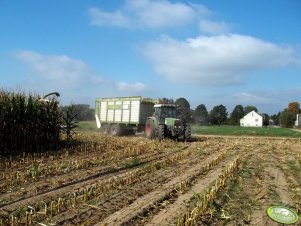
161, 132
149, 129
115, 130
107, 129
187, 133
129, 132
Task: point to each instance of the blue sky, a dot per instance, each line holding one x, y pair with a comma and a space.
210, 52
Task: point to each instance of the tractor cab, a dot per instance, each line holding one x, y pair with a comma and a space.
163, 111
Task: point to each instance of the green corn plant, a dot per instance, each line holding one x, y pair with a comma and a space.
69, 121
27, 124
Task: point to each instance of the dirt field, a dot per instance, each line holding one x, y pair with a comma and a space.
135, 181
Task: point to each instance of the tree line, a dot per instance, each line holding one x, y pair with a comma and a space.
83, 112
218, 115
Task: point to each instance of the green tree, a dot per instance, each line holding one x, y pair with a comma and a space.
166, 101
265, 119
83, 112
250, 108
183, 110
287, 119
182, 102
218, 115
237, 113
201, 115
275, 118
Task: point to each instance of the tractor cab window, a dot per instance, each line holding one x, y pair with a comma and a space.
157, 112
168, 112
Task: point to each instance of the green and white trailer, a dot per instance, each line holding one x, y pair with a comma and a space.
123, 115
127, 115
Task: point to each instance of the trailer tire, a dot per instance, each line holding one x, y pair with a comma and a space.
115, 130
107, 129
161, 132
149, 129
187, 133
129, 132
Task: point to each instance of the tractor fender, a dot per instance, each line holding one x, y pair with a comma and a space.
155, 121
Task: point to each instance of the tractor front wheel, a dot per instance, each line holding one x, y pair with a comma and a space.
161, 132
149, 129
187, 133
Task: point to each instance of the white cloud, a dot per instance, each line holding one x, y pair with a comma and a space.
249, 98
210, 27
148, 13
137, 86
71, 77
158, 14
102, 18
222, 59
59, 69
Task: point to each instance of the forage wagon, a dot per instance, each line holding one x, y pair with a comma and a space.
127, 115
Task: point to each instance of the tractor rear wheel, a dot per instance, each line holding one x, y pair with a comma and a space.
161, 132
149, 129
187, 133
115, 130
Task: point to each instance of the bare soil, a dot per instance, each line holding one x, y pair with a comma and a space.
135, 181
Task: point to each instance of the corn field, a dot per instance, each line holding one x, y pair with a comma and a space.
27, 124
105, 180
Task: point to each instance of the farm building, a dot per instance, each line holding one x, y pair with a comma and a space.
298, 120
252, 119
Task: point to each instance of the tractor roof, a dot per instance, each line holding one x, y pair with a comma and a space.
164, 105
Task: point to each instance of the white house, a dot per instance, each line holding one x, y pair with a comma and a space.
252, 119
298, 120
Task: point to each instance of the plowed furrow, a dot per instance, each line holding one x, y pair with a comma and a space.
46, 197
166, 190
68, 179
128, 194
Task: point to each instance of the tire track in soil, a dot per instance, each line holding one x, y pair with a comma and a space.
98, 177
73, 177
171, 213
128, 194
144, 203
80, 155
273, 177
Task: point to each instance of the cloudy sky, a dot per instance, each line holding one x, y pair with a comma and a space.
210, 52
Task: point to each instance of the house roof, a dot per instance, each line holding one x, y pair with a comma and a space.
252, 112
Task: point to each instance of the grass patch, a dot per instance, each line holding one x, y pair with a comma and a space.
293, 166
87, 126
245, 131
132, 163
216, 130
273, 194
232, 203
235, 203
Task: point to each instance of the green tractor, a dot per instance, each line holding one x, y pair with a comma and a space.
164, 123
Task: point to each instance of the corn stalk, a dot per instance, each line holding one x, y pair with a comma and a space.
204, 198
26, 123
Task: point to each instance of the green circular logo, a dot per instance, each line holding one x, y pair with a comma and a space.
282, 214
